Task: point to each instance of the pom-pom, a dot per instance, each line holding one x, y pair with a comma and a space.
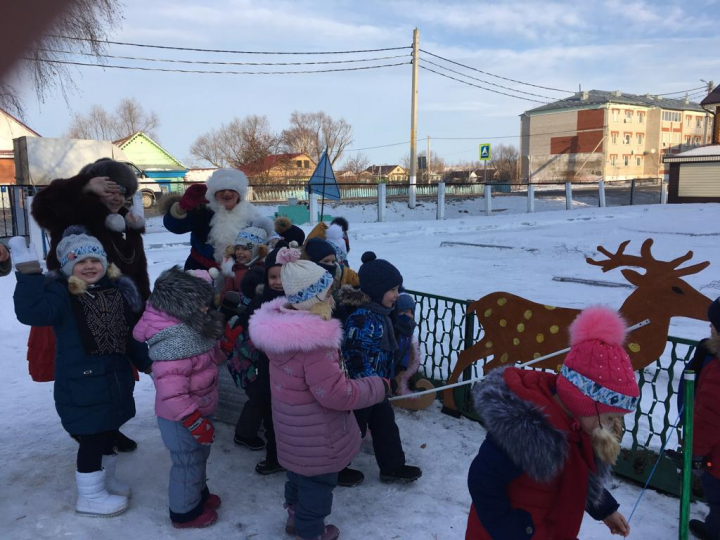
214, 272
282, 224
201, 274
368, 256
598, 323
294, 244
75, 229
288, 255
334, 234
342, 222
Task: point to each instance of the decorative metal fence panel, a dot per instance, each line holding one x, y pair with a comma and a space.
445, 329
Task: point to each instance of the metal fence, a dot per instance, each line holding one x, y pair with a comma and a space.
445, 330
14, 211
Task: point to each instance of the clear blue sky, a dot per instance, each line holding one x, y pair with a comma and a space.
628, 45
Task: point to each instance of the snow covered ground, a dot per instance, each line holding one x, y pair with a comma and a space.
37, 457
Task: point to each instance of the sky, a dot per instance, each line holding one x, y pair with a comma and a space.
632, 45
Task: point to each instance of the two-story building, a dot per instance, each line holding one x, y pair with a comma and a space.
10, 128
609, 135
280, 168
389, 173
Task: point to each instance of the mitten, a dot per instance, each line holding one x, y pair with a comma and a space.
200, 428
193, 197
24, 257
230, 337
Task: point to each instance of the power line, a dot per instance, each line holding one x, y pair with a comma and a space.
374, 147
173, 48
207, 62
481, 87
683, 91
484, 81
66, 62
496, 76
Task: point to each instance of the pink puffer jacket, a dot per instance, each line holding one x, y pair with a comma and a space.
184, 365
312, 398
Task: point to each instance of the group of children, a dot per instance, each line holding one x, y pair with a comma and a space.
319, 349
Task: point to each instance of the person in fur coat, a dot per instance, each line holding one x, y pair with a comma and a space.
312, 396
549, 446
92, 309
184, 346
212, 213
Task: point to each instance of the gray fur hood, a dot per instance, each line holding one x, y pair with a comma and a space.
352, 297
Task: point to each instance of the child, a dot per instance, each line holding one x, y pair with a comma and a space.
706, 442
407, 359
549, 447
290, 233
369, 349
334, 236
311, 395
343, 223
325, 254
249, 250
183, 340
92, 310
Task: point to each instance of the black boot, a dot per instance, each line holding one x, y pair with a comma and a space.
267, 468
251, 443
350, 477
697, 527
123, 443
401, 475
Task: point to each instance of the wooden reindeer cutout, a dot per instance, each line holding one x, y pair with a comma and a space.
518, 330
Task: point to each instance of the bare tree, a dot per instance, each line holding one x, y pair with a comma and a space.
128, 119
357, 164
208, 148
311, 133
82, 28
505, 161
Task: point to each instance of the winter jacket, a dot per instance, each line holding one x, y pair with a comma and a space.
407, 361
706, 441
312, 397
536, 473
364, 330
184, 365
64, 203
93, 328
232, 283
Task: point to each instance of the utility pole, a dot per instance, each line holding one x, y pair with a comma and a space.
427, 166
413, 118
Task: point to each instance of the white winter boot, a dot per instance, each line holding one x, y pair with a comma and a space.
113, 485
93, 498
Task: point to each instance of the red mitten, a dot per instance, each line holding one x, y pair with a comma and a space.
200, 428
227, 343
193, 197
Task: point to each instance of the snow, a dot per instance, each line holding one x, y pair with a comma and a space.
37, 473
702, 151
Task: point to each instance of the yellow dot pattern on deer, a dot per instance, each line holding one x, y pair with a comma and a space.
554, 329
488, 312
634, 347
504, 358
528, 314
540, 338
489, 344
536, 355
550, 308
516, 341
501, 302
503, 323
521, 327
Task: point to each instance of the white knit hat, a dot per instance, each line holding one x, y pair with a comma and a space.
257, 233
305, 283
223, 179
334, 237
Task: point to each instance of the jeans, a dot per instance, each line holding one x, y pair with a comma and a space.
312, 498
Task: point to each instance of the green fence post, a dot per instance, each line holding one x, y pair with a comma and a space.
687, 456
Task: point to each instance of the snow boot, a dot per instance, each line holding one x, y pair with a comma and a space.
94, 500
251, 443
697, 527
350, 477
401, 475
331, 533
207, 518
267, 468
112, 484
213, 502
290, 523
124, 444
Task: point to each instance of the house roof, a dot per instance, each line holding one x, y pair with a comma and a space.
710, 152
596, 98
125, 141
21, 123
269, 162
713, 98
382, 169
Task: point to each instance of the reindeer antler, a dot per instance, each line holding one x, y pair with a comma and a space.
616, 260
646, 260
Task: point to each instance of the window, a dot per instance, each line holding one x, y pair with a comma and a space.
306, 163
638, 161
697, 141
628, 116
626, 138
687, 140
627, 160
641, 117
698, 122
615, 115
665, 138
671, 116
613, 160
688, 120
298, 164
614, 137
640, 138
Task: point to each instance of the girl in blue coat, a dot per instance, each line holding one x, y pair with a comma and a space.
92, 310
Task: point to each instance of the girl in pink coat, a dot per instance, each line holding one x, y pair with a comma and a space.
183, 344
312, 397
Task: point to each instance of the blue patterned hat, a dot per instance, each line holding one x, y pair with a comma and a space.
76, 247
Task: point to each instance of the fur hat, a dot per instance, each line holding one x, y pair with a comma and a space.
714, 314
334, 236
597, 375
117, 171
377, 276
223, 179
292, 233
77, 246
304, 282
183, 296
317, 249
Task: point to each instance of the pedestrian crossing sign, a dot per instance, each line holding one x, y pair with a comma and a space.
484, 152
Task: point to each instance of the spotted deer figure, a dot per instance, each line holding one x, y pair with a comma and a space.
518, 330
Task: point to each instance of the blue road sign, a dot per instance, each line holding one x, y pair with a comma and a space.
485, 152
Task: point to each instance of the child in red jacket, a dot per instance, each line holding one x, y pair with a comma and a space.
549, 448
249, 250
706, 442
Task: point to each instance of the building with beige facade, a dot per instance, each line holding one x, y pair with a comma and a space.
608, 135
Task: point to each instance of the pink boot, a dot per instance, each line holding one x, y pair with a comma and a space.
331, 533
290, 523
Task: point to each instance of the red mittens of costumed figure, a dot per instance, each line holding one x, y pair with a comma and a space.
200, 428
194, 196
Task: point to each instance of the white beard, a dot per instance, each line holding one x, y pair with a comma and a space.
225, 226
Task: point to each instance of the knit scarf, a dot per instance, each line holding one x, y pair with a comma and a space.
388, 342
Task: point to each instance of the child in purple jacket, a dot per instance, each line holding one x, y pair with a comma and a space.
312, 396
183, 341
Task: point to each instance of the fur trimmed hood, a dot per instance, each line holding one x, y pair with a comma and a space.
713, 345
352, 297
276, 329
